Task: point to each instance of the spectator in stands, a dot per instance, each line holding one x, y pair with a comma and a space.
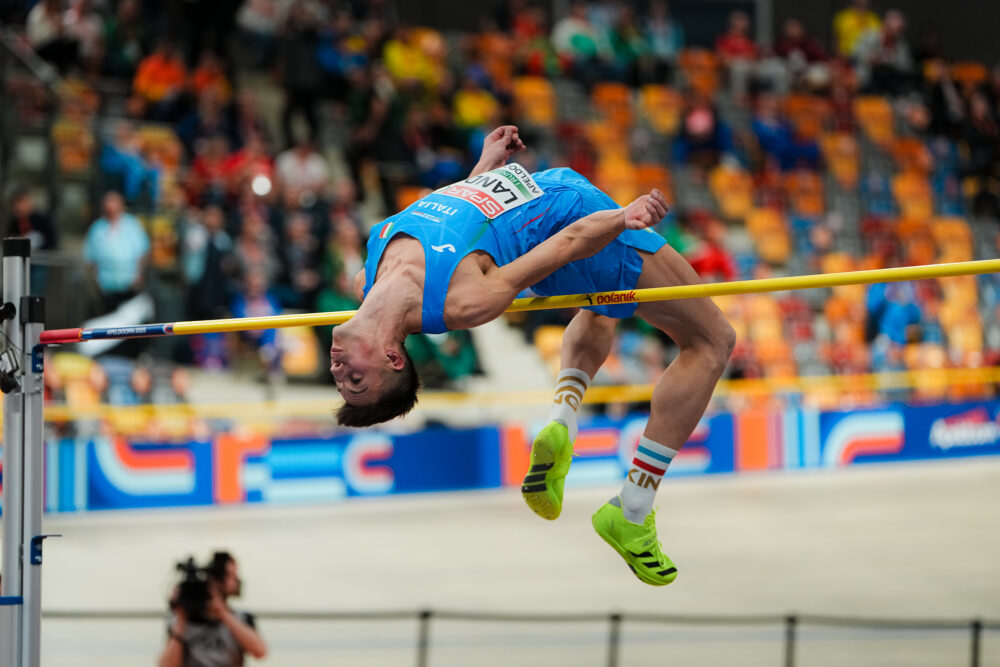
578, 43
893, 311
850, 24
116, 249
473, 105
209, 75
250, 162
224, 636
736, 43
83, 24
256, 248
665, 38
207, 182
802, 53
299, 71
207, 119
122, 160
258, 21
209, 265
703, 138
299, 279
248, 121
944, 102
884, 62
255, 299
302, 171
159, 83
124, 40
628, 46
709, 257
27, 221
981, 137
777, 139
48, 35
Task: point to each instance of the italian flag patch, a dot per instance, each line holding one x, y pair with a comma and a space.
385, 230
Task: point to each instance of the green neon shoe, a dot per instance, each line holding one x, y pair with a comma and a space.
636, 543
551, 455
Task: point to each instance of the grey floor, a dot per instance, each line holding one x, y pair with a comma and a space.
902, 540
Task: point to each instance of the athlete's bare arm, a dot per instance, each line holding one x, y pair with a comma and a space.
499, 146
474, 302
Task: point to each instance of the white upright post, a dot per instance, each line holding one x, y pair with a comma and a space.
32, 318
15, 254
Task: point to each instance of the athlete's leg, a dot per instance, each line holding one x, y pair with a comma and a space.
679, 399
586, 343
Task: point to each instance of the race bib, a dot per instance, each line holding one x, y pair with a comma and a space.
496, 191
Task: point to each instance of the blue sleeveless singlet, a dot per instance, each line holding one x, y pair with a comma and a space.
506, 213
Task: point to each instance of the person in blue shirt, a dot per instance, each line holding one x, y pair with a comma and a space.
458, 257
116, 249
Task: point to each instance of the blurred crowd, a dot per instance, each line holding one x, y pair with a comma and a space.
784, 158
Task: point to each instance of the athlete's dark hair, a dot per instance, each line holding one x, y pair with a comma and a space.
397, 399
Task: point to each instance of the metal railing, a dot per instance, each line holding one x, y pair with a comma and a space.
790, 625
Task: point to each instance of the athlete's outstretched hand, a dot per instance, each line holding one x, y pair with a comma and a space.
500, 145
646, 211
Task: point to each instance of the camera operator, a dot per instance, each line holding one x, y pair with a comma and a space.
204, 631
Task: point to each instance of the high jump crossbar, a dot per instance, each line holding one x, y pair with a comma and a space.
922, 272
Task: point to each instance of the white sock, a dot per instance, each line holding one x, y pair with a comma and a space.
644, 475
571, 385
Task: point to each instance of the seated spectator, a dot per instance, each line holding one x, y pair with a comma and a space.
627, 46
299, 279
207, 182
884, 62
122, 160
850, 24
299, 71
580, 46
124, 40
255, 299
48, 36
802, 53
83, 24
250, 162
209, 265
736, 43
777, 139
302, 171
709, 257
703, 138
893, 311
665, 38
116, 250
209, 75
258, 21
159, 84
474, 106
256, 249
981, 137
25, 220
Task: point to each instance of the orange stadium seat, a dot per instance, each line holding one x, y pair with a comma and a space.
548, 342
733, 190
911, 154
609, 140
74, 145
495, 49
769, 229
535, 100
808, 115
160, 145
953, 238
652, 175
804, 190
969, 74
874, 115
619, 178
840, 150
701, 70
614, 100
913, 195
661, 107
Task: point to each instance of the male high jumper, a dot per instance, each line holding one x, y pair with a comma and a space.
458, 257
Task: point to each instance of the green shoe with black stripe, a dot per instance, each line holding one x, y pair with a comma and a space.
551, 455
636, 543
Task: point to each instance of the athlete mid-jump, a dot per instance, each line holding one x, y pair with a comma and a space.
458, 257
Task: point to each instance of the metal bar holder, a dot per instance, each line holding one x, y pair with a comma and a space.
21, 381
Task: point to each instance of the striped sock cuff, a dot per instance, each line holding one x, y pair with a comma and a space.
575, 373
652, 456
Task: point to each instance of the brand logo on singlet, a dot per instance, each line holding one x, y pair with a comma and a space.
441, 248
496, 191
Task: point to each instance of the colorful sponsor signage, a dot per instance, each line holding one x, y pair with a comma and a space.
234, 468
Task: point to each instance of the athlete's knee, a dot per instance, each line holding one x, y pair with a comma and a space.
715, 345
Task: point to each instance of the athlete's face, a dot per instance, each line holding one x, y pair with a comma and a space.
357, 368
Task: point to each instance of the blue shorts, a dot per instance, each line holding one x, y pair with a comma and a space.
569, 197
